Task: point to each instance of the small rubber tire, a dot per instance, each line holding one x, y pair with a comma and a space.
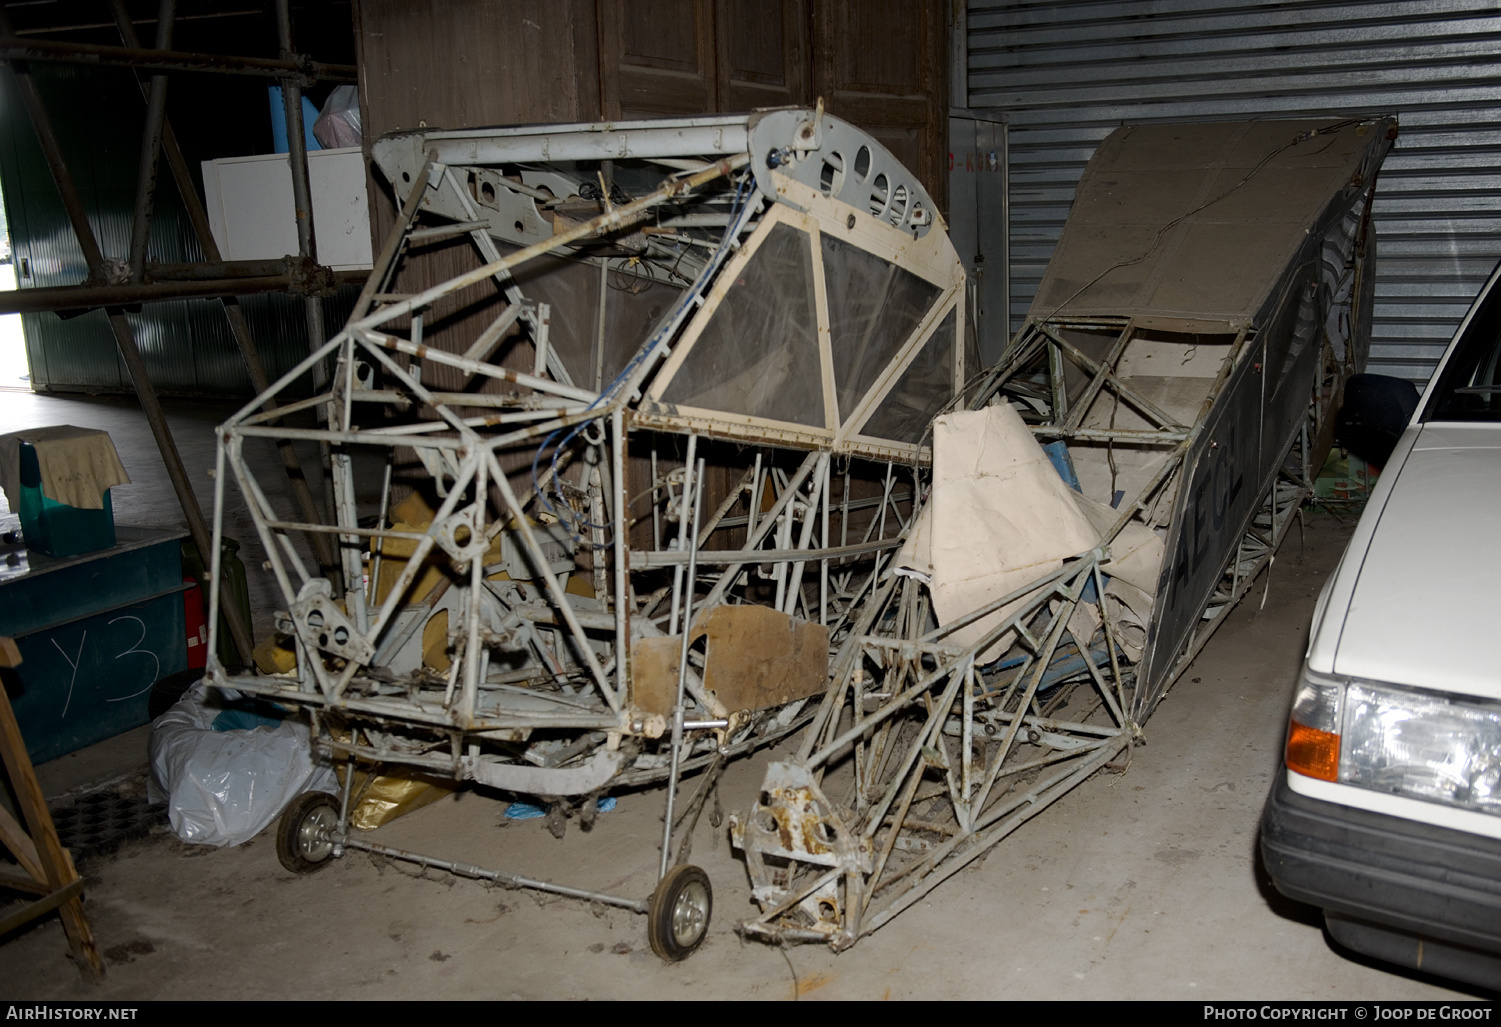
304, 838
677, 920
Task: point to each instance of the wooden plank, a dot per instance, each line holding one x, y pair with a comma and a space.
21, 883
68, 894
52, 860
20, 846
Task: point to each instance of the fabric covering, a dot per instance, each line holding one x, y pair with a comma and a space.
1191, 227
1000, 517
77, 465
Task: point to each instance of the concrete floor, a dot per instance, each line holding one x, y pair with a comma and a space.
1144, 884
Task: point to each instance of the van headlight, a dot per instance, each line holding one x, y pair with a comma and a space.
1396, 740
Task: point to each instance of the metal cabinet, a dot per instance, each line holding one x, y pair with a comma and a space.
95, 633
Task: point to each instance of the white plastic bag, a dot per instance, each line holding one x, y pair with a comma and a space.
338, 123
225, 787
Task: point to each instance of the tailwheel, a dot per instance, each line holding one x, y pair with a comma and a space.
678, 919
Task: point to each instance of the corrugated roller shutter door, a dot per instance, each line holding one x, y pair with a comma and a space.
1067, 73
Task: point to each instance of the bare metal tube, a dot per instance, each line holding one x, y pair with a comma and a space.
697, 138
821, 481
727, 580
529, 539
58, 52
477, 367
509, 880
623, 609
151, 147
683, 537
619, 216
677, 711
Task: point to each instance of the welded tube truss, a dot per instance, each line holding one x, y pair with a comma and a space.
1043, 340
527, 655
347, 643
922, 752
1034, 370
549, 688
918, 760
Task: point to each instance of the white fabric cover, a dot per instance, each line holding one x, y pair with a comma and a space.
999, 517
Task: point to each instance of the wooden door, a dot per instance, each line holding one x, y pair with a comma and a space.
657, 58
882, 65
463, 64
762, 54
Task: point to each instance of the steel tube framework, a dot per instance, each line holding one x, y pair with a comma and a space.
592, 590
535, 650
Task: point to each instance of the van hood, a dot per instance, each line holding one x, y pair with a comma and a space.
1426, 607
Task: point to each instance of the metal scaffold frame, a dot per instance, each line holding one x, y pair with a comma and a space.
115, 282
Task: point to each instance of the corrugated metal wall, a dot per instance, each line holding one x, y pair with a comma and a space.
1069, 71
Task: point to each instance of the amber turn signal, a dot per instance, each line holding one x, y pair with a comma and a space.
1312, 752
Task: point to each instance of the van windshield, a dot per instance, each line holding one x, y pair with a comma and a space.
1470, 387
